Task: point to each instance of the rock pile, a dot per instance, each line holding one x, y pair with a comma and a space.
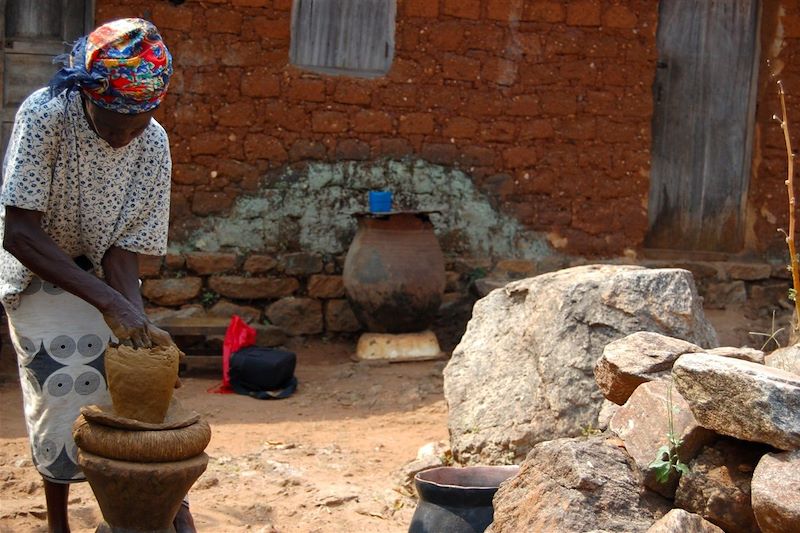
738, 425
699, 438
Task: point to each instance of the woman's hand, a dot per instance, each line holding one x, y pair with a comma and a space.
158, 336
128, 323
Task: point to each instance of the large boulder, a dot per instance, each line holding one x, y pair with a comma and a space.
775, 492
523, 372
575, 485
717, 486
741, 399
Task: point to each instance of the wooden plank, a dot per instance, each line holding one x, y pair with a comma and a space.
194, 326
704, 98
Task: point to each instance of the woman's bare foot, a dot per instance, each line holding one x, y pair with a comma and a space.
184, 523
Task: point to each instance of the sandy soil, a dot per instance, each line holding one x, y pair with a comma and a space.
324, 460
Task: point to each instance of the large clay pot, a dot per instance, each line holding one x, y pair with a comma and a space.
457, 500
394, 272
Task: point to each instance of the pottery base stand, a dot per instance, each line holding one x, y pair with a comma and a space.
140, 472
398, 347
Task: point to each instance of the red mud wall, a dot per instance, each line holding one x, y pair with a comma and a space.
780, 53
547, 104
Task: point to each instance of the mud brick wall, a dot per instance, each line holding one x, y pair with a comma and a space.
780, 59
546, 105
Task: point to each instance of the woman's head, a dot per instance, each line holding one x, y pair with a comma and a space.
122, 67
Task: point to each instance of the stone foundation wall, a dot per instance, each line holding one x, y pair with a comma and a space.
303, 293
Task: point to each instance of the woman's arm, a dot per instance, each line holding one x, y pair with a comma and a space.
121, 268
25, 239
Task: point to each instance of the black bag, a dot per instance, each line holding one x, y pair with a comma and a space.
263, 373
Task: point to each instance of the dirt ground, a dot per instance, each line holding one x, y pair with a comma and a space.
327, 459
324, 460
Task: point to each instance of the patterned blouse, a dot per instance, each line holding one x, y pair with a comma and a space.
93, 196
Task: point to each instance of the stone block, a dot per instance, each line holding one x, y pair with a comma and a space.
748, 271
259, 264
787, 359
640, 357
224, 308
722, 295
269, 335
323, 286
644, 420
171, 291
680, 521
175, 261
242, 288
741, 399
718, 485
150, 265
339, 317
297, 316
301, 264
775, 492
210, 262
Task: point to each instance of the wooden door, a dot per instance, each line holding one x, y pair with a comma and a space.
704, 107
35, 31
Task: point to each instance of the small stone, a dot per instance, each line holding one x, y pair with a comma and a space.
744, 353
717, 487
630, 361
775, 492
680, 521
787, 359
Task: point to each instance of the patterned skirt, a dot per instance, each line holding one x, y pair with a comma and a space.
60, 341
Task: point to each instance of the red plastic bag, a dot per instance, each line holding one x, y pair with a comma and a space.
238, 335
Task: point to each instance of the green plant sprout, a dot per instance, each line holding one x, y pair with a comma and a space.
589, 430
771, 337
209, 298
667, 456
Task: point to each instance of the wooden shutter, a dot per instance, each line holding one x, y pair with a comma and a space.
347, 37
34, 31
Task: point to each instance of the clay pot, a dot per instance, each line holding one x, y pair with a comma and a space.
140, 497
457, 500
141, 381
394, 273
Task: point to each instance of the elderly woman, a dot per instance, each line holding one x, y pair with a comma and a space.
86, 182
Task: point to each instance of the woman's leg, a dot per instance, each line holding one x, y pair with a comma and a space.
56, 496
184, 523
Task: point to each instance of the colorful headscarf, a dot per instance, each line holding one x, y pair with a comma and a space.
121, 66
